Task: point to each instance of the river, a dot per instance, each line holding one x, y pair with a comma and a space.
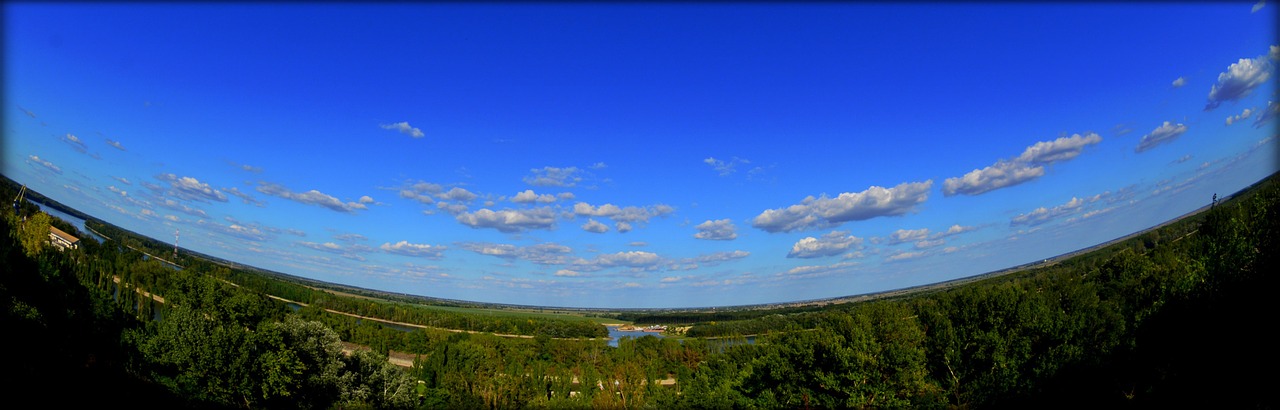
77, 222
615, 334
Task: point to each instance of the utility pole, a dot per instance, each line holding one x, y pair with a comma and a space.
175, 245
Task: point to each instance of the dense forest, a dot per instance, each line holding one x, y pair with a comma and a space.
1170, 318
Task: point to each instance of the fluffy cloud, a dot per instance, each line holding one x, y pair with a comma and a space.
553, 176
422, 191
404, 128
955, 230
528, 197
834, 243
1025, 167
1258, 6
312, 197
824, 212
48, 165
718, 230
1238, 81
510, 220
1242, 116
624, 227
414, 249
593, 226
458, 195
630, 214
630, 259
189, 188
1061, 149
1162, 134
1042, 214
1181, 81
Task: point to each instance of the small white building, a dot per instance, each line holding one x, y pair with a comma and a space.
62, 239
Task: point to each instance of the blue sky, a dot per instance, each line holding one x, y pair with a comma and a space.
638, 154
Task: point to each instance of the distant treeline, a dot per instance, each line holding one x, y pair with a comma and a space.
424, 315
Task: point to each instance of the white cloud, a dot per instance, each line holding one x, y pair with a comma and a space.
908, 235
528, 196
414, 249
458, 194
1258, 6
75, 143
509, 220
542, 254
624, 227
421, 191
118, 190
1025, 167
553, 176
955, 230
404, 128
1243, 115
1181, 81
631, 259
191, 189
1239, 81
1061, 149
1042, 214
1162, 134
366, 199
718, 230
824, 212
599, 165
567, 273
180, 207
630, 214
834, 243
593, 226
312, 197
1000, 175
48, 165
